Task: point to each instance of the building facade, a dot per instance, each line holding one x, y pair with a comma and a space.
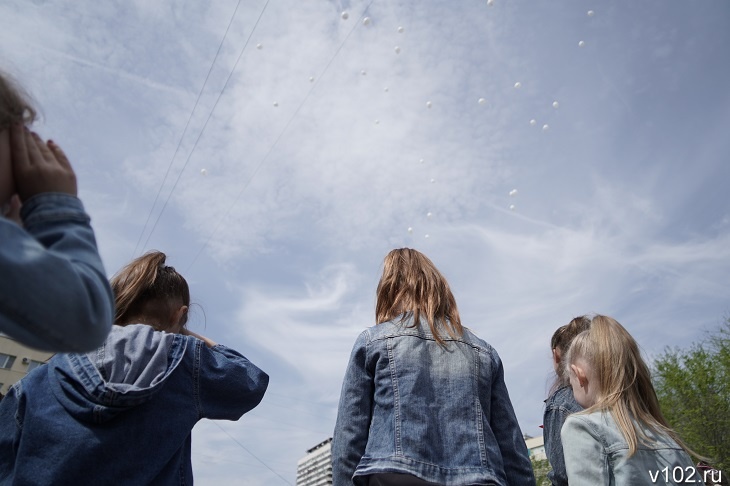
17, 360
315, 469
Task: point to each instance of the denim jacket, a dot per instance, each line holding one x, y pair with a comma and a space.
122, 414
596, 454
557, 408
54, 294
443, 414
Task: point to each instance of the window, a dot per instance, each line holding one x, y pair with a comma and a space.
6, 361
34, 364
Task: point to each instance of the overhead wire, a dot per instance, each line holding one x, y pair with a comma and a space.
205, 125
185, 130
276, 141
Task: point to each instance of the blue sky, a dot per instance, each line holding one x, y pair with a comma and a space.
285, 193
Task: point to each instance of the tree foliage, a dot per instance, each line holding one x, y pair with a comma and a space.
693, 386
541, 467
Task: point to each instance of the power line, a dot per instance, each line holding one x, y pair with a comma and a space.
276, 142
252, 454
187, 124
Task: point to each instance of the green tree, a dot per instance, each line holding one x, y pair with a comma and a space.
541, 467
693, 386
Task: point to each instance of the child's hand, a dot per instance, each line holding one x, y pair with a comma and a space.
11, 210
39, 167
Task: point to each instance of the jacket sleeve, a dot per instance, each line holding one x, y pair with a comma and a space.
54, 294
353, 415
585, 459
506, 429
553, 420
227, 385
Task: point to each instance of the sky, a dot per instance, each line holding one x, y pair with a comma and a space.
276, 151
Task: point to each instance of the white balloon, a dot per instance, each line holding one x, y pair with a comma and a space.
428, 104
203, 172
377, 122
518, 85
513, 192
482, 101
276, 103
410, 230
345, 15
400, 30
385, 89
421, 161
397, 49
512, 207
555, 104
366, 21
428, 215
311, 79
426, 236
490, 2
591, 13
581, 44
433, 180
545, 127
363, 72
533, 122
259, 46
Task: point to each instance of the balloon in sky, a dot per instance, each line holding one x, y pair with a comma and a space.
513, 192
429, 215
545, 127
581, 44
433, 181
490, 2
518, 85
397, 49
276, 103
410, 230
259, 46
555, 104
363, 72
481, 101
345, 15
533, 122
366, 21
311, 79
591, 13
426, 236
203, 172
512, 207
377, 122
421, 161
385, 89
428, 104
400, 30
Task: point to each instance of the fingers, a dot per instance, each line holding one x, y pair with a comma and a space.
59, 154
38, 166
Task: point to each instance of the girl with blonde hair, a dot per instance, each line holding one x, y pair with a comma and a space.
424, 400
123, 414
622, 437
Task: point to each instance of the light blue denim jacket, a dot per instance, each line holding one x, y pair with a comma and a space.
596, 454
122, 414
557, 408
54, 293
411, 406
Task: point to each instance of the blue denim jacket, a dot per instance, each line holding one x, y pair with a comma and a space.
122, 414
557, 408
411, 406
54, 294
596, 454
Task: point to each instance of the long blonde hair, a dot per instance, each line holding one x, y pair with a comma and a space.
412, 286
148, 291
623, 381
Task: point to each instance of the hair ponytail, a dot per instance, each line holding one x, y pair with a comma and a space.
148, 291
561, 340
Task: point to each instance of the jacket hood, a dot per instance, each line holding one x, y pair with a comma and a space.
126, 371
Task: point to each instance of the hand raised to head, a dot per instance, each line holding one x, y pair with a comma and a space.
39, 167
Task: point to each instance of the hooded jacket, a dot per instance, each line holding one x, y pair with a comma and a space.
122, 414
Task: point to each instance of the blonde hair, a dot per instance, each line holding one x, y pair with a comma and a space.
412, 286
623, 380
561, 340
14, 103
148, 291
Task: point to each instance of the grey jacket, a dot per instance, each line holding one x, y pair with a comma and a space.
597, 454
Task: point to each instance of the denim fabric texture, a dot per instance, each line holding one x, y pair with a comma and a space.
411, 406
54, 294
122, 414
557, 408
597, 454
